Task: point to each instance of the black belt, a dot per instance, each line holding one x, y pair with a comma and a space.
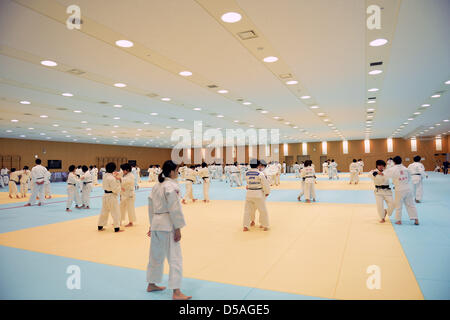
190, 180
87, 182
205, 178
107, 191
255, 189
416, 174
72, 184
383, 187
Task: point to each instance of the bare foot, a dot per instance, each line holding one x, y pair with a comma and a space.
193, 200
266, 229
178, 295
78, 207
119, 231
68, 210
40, 204
153, 287
299, 198
245, 229
27, 205
129, 224
252, 224
86, 207
314, 200
308, 201
10, 196
183, 201
398, 222
382, 221
416, 222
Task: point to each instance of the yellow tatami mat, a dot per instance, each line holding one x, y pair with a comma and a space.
325, 185
5, 199
317, 249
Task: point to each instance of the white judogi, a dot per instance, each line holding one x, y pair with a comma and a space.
37, 180
277, 173
94, 174
403, 194
72, 190
4, 176
110, 203
136, 178
227, 173
361, 166
234, 176
204, 175
127, 198
86, 189
26, 174
138, 172
325, 167
284, 168
333, 170
390, 163
190, 178
257, 189
354, 172
13, 182
297, 170
307, 174
165, 215
383, 193
47, 177
417, 172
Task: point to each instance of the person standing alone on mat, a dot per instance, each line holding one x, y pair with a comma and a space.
37, 180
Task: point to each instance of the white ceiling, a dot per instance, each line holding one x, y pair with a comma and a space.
322, 43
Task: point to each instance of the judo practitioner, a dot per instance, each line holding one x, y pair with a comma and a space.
354, 172
332, 169
86, 188
297, 170
110, 201
204, 175
25, 176
308, 175
403, 193
383, 192
4, 176
325, 167
47, 191
417, 172
257, 190
361, 166
389, 163
166, 220
234, 175
37, 181
190, 178
72, 189
136, 178
127, 196
277, 173
13, 183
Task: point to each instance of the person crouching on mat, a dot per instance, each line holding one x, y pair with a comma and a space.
308, 174
383, 192
110, 202
26, 174
257, 190
72, 189
86, 187
166, 220
127, 196
13, 183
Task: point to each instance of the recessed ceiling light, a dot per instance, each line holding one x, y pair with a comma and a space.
378, 42
410, 119
373, 89
64, 131
84, 121
56, 125
222, 91
154, 113
49, 63
197, 109
292, 82
185, 73
437, 124
270, 59
426, 105
231, 17
375, 72
435, 95
236, 121
88, 129
116, 126
446, 120
67, 94
371, 101
120, 85
276, 118
166, 99
77, 111
264, 111
320, 114
42, 134
146, 122
22, 136
314, 107
447, 82
219, 116
124, 43
116, 118
14, 120
44, 116
33, 128
305, 97
180, 120
25, 102
405, 123
118, 106
8, 130
326, 120
247, 103
416, 113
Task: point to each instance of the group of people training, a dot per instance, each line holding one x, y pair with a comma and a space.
23, 179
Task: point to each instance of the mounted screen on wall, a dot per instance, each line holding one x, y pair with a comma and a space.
132, 162
54, 164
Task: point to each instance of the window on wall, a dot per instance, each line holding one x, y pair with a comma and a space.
203, 153
345, 146
267, 150
324, 147
304, 148
413, 144
367, 146
438, 144
390, 145
285, 149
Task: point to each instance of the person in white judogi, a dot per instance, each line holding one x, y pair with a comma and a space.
417, 172
308, 175
37, 180
332, 168
277, 173
403, 194
190, 178
325, 167
72, 190
4, 177
220, 172
127, 195
284, 168
13, 183
166, 220
389, 163
110, 202
383, 192
354, 172
25, 176
204, 175
86, 187
297, 170
234, 175
257, 190
47, 190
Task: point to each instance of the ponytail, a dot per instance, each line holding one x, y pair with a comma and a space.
168, 167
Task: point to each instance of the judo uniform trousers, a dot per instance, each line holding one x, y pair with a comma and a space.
47, 177
325, 167
190, 178
24, 182
297, 170
354, 172
204, 174
255, 199
309, 189
127, 199
383, 193
110, 201
165, 215
37, 180
417, 172
13, 182
234, 176
86, 189
403, 194
72, 190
